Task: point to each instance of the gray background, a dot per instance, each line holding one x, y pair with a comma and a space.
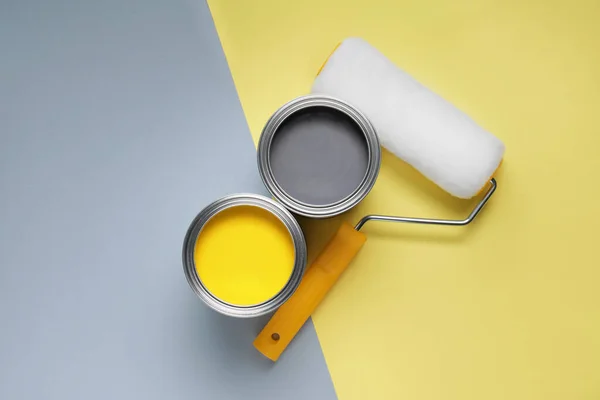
119, 121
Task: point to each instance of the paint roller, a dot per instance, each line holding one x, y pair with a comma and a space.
416, 125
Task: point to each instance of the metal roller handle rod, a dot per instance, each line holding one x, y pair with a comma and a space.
429, 221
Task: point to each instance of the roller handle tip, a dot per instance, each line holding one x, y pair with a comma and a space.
316, 283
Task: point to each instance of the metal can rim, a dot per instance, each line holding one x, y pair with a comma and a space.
296, 206
195, 229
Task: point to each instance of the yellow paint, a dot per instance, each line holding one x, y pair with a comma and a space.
244, 255
507, 308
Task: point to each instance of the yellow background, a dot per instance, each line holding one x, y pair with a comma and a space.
507, 308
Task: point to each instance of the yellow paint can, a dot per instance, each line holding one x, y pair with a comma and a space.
244, 255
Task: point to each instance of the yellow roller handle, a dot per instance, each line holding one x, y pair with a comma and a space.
317, 281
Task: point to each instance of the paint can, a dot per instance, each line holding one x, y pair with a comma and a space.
211, 213
318, 156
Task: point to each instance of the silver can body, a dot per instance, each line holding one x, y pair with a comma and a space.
195, 230
318, 156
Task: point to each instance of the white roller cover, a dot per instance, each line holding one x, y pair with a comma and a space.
412, 122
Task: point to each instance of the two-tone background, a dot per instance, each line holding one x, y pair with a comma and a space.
120, 120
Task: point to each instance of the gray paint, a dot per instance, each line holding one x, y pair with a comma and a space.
119, 121
319, 156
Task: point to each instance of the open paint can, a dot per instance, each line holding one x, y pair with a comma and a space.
318, 156
244, 255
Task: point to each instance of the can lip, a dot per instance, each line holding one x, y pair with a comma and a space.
264, 155
244, 199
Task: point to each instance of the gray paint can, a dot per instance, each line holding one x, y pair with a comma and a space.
318, 156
